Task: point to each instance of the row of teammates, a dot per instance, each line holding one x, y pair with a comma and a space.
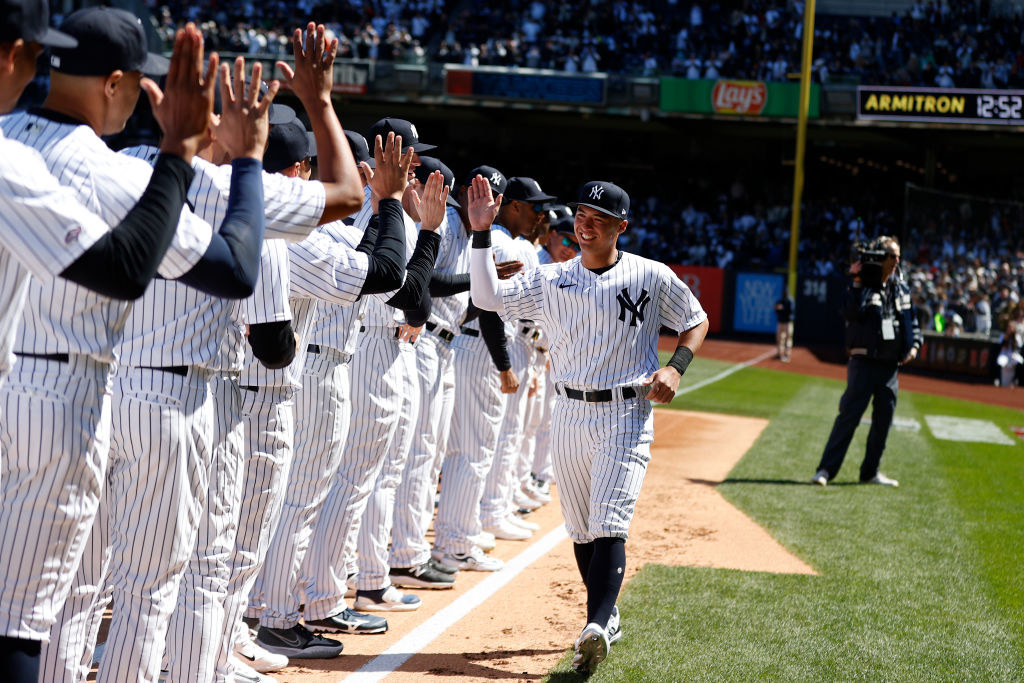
232, 408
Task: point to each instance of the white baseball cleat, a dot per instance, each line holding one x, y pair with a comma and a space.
614, 627
591, 648
246, 674
475, 560
258, 658
522, 523
508, 531
882, 480
821, 478
484, 540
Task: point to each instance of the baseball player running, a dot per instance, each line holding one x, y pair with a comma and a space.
603, 312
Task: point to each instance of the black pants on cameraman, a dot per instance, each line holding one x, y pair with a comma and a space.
866, 380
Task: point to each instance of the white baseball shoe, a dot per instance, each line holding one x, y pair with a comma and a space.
522, 523
258, 658
535, 490
523, 501
882, 480
475, 560
614, 627
484, 540
246, 674
591, 648
388, 599
507, 531
821, 478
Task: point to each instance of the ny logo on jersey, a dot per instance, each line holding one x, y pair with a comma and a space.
634, 308
596, 191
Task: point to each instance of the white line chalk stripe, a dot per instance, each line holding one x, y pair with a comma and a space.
391, 659
725, 373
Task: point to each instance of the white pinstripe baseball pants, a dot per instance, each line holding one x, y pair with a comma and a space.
269, 420
600, 453
476, 418
194, 634
375, 528
378, 380
542, 442
531, 422
322, 413
54, 443
496, 504
414, 498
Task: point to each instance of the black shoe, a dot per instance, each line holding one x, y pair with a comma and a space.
349, 621
423, 576
297, 642
438, 567
252, 622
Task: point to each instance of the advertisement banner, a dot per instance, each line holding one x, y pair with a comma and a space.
736, 98
525, 84
706, 283
756, 294
960, 355
940, 105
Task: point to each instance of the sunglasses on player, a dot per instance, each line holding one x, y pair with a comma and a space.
572, 244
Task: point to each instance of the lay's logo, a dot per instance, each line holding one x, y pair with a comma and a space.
739, 97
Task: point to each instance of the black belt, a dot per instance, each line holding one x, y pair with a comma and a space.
249, 387
599, 396
314, 348
59, 357
471, 332
181, 370
445, 335
398, 331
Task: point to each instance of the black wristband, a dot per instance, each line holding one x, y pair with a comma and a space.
680, 360
481, 239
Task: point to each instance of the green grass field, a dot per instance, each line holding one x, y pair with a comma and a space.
919, 583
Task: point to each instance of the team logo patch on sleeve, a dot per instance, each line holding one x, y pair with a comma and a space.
72, 234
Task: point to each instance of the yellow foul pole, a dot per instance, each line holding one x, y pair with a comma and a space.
801, 143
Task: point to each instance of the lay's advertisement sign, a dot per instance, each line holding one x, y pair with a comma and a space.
736, 98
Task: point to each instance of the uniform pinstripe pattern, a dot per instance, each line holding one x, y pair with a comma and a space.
377, 383
270, 432
542, 442
600, 453
476, 418
323, 410
43, 536
496, 503
414, 499
377, 520
194, 634
531, 421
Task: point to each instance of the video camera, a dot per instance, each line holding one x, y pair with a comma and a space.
871, 256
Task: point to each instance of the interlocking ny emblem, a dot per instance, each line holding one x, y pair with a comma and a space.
635, 309
496, 178
596, 191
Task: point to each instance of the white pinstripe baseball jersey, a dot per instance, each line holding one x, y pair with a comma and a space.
452, 257
337, 326
544, 257
43, 230
62, 317
611, 320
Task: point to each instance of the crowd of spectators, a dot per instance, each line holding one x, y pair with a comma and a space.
941, 43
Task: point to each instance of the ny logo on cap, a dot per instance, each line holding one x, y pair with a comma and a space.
412, 127
634, 308
496, 178
596, 191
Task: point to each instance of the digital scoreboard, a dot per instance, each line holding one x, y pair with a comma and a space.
940, 105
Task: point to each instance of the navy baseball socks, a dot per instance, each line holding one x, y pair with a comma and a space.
19, 659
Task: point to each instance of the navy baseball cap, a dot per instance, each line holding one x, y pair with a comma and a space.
311, 141
561, 218
360, 150
408, 132
286, 144
109, 40
606, 197
29, 20
430, 164
525, 189
495, 177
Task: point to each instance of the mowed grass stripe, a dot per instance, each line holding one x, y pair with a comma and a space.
917, 583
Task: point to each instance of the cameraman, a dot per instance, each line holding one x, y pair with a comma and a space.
882, 333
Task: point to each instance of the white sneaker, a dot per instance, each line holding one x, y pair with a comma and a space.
388, 599
258, 658
591, 648
522, 523
821, 478
533, 490
474, 560
509, 532
522, 500
882, 480
614, 627
484, 540
246, 674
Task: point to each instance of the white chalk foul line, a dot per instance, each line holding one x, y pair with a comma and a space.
725, 373
388, 661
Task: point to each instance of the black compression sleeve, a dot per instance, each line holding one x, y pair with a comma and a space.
369, 239
273, 344
472, 313
122, 262
481, 239
387, 262
418, 316
417, 273
680, 360
231, 263
449, 284
493, 331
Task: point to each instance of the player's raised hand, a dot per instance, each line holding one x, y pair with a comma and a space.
184, 106
430, 203
663, 384
313, 75
483, 205
392, 172
507, 269
244, 123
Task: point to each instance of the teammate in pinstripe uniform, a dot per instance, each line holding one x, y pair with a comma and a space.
483, 378
603, 312
522, 211
66, 238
